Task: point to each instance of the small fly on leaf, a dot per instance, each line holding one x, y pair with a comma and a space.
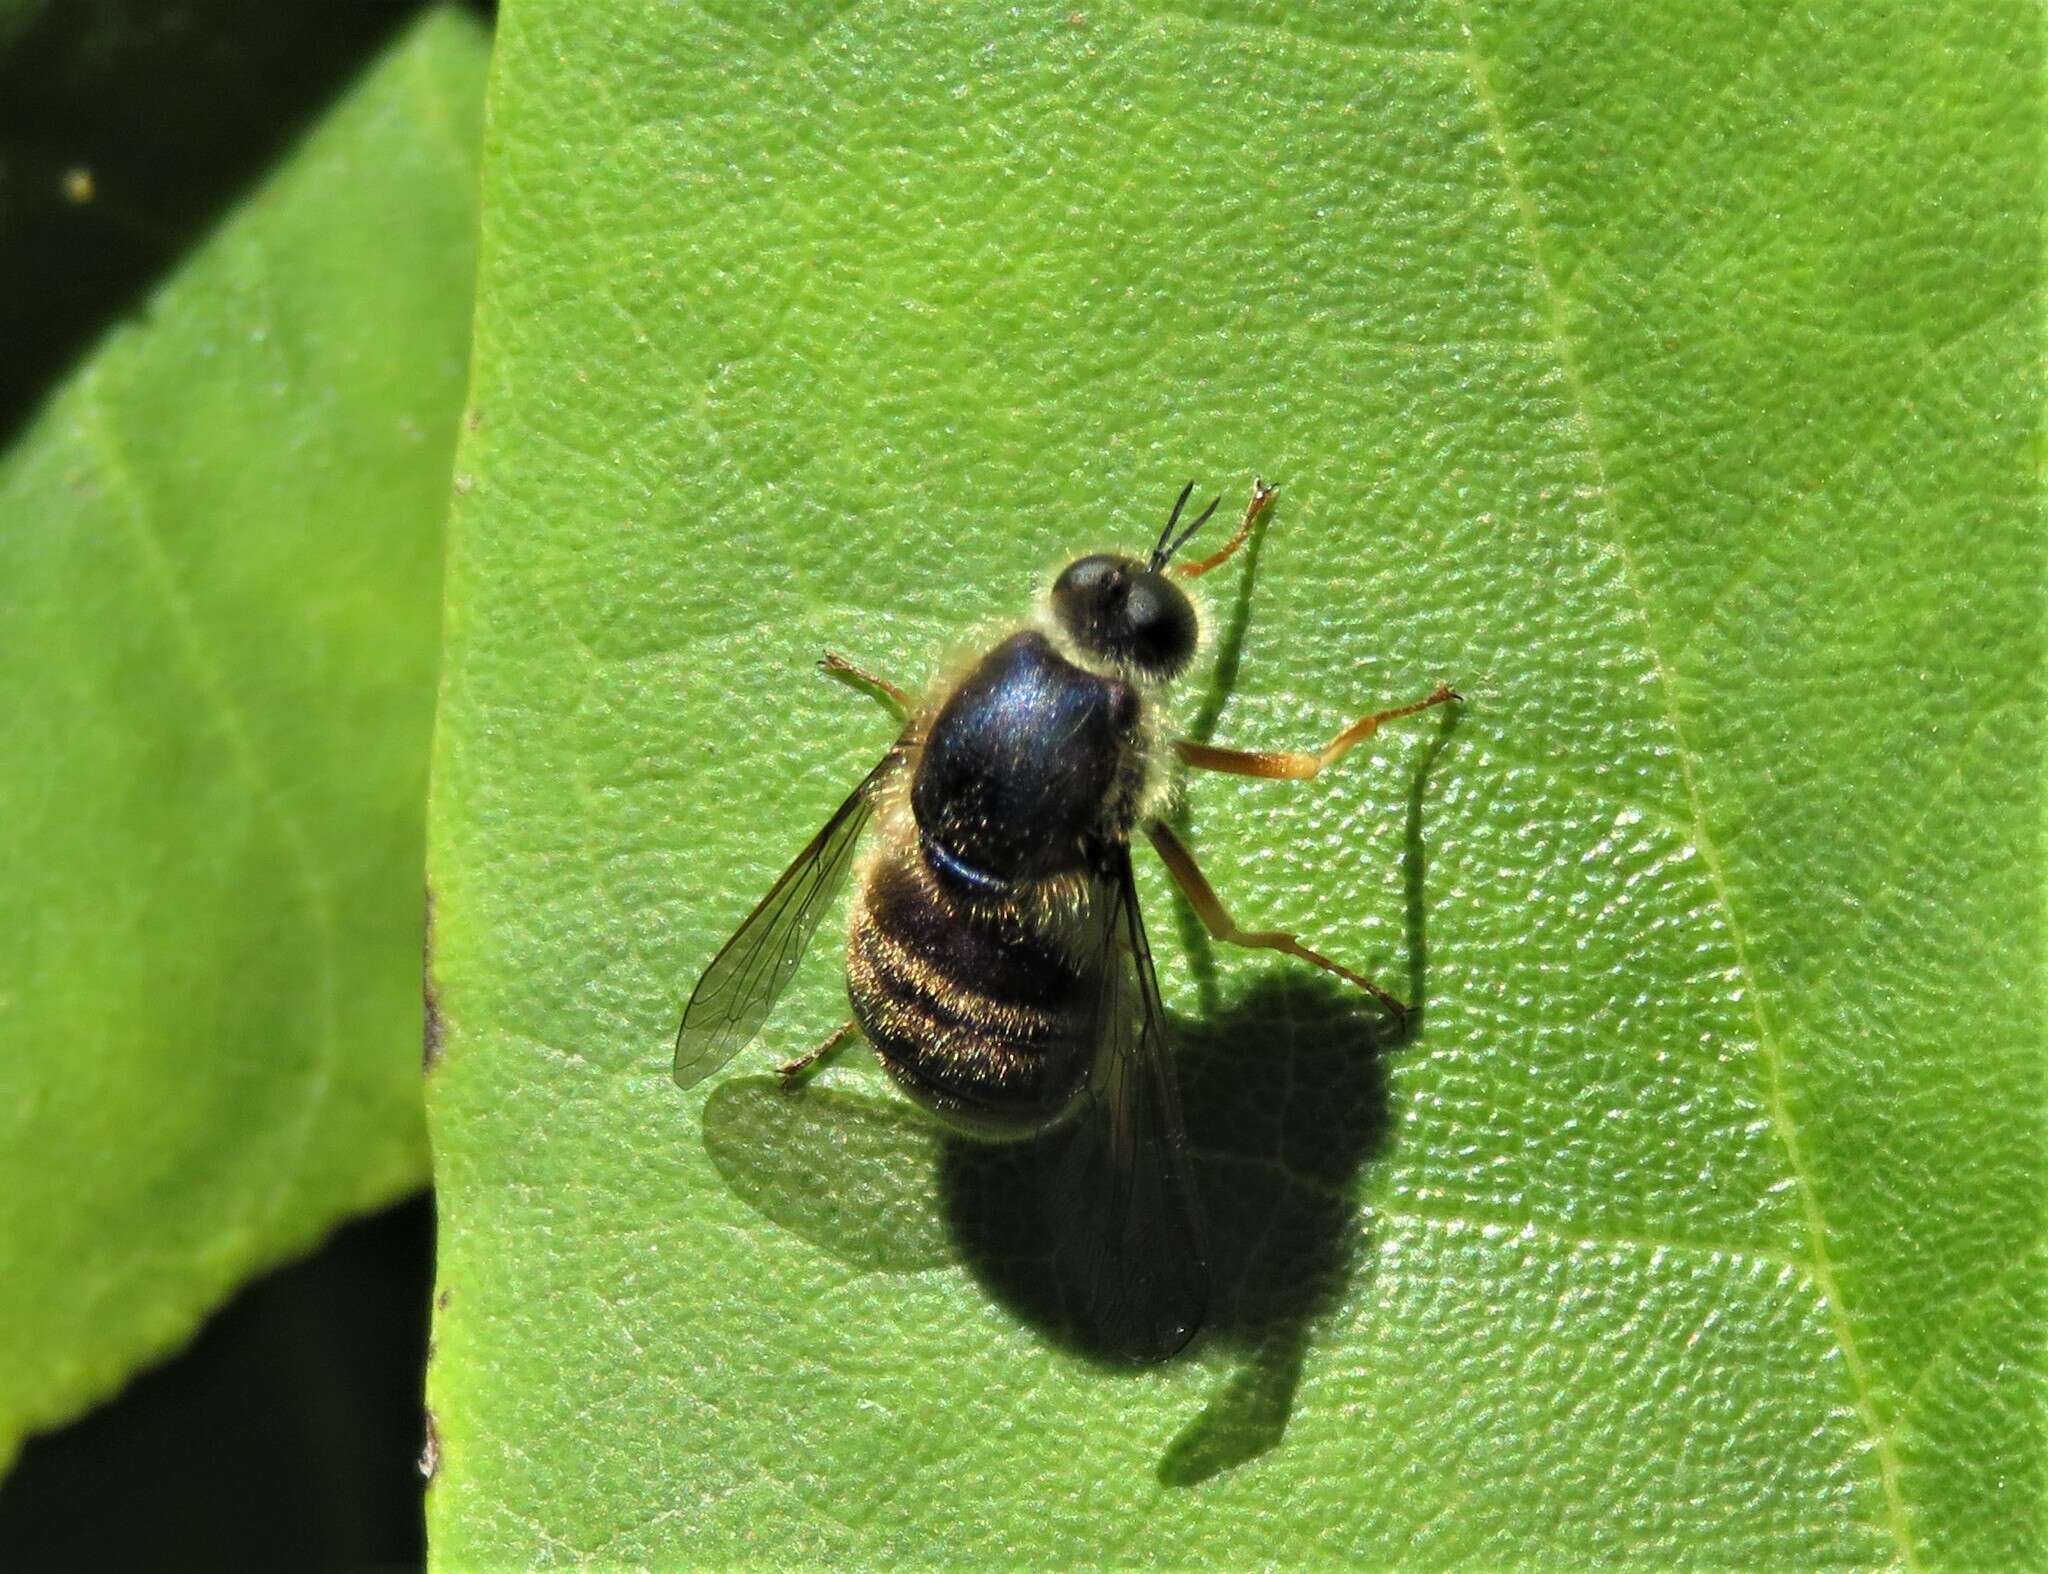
995, 956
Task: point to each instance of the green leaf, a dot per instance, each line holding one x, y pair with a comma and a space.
1671, 385
218, 612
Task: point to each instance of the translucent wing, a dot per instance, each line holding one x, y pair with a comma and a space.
1132, 1234
740, 987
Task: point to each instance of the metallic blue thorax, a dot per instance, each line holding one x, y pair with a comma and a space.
1020, 764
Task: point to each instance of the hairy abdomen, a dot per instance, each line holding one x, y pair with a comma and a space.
979, 1011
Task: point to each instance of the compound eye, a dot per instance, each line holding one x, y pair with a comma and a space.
1161, 624
1088, 577
1144, 605
1088, 596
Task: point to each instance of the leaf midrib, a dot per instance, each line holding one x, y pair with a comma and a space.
1784, 1125
209, 683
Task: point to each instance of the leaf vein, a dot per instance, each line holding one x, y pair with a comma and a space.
209, 683
1883, 1438
1966, 1321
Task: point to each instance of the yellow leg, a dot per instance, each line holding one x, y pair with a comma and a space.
1298, 765
881, 690
795, 1073
1262, 494
1208, 906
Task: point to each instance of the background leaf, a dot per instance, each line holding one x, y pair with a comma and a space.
127, 127
218, 590
1670, 383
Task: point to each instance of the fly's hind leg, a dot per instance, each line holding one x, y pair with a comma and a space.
880, 690
795, 1073
1298, 765
1208, 906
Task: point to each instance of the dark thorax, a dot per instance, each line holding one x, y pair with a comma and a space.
1028, 768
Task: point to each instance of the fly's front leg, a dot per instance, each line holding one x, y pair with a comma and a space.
1208, 906
880, 690
1298, 765
1262, 494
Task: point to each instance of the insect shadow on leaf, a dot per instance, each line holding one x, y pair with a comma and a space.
1284, 1096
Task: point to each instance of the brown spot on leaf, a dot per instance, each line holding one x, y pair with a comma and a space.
430, 997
